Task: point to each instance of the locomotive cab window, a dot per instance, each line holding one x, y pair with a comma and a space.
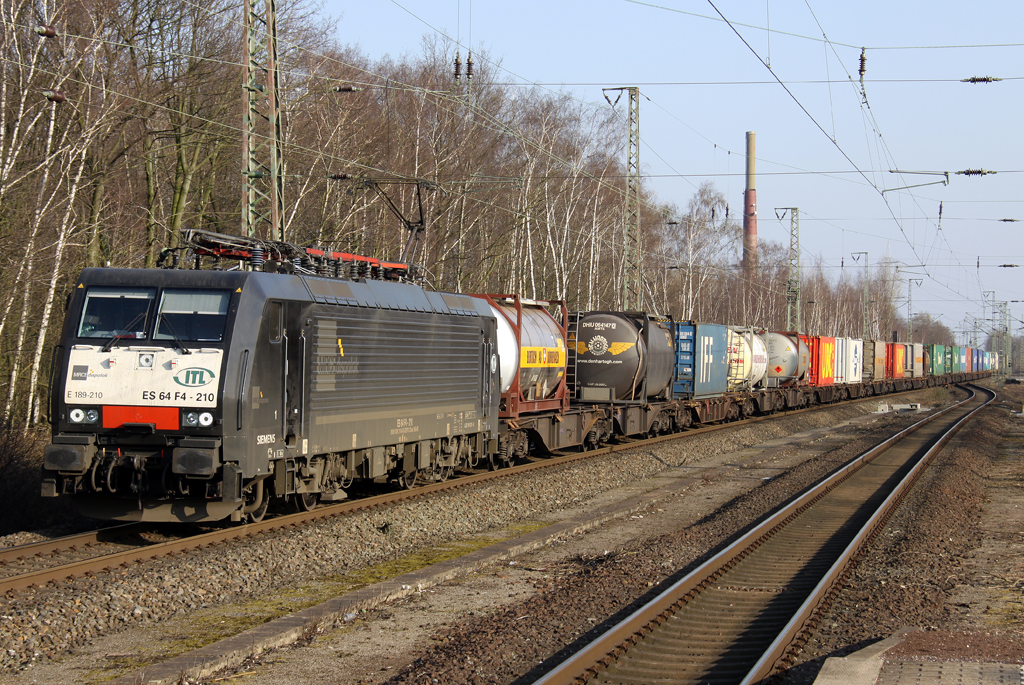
110, 311
192, 315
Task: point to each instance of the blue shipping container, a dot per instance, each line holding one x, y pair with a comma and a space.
701, 369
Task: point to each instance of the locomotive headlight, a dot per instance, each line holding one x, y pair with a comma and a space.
206, 419
79, 415
145, 360
191, 419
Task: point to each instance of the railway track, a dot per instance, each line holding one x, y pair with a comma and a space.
744, 614
35, 565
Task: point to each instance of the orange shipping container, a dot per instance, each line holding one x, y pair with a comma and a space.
895, 360
823, 360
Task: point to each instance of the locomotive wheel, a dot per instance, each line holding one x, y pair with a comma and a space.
304, 501
256, 515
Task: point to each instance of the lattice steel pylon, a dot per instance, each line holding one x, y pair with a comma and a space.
263, 191
793, 276
632, 223
1005, 352
631, 263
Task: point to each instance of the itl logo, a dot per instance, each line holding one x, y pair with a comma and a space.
193, 377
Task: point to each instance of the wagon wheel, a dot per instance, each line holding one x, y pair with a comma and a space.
305, 501
408, 479
440, 472
503, 459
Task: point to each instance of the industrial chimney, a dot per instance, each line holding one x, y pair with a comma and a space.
750, 210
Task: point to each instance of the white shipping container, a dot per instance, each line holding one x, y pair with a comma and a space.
918, 360
849, 360
839, 360
854, 361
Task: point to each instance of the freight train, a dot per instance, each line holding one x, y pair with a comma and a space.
207, 394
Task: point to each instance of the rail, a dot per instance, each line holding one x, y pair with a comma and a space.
741, 616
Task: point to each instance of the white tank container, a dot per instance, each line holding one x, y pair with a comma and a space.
788, 356
539, 356
747, 358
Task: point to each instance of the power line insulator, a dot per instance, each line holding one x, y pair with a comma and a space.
54, 95
863, 62
974, 172
458, 67
346, 89
46, 31
981, 79
469, 67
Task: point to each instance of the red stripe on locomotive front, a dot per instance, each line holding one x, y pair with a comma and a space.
164, 418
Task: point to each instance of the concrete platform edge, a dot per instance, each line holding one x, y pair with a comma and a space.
863, 666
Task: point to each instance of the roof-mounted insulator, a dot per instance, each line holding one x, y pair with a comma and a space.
46, 31
346, 89
469, 67
981, 79
54, 95
973, 172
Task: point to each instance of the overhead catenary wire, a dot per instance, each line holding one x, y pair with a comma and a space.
441, 94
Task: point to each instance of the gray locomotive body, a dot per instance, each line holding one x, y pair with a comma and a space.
189, 395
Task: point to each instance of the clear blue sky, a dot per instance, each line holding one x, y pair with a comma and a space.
703, 88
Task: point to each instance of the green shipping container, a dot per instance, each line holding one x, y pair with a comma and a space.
937, 361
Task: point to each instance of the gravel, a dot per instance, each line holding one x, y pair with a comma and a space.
41, 625
588, 594
941, 564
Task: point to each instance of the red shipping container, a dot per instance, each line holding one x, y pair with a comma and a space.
895, 359
823, 360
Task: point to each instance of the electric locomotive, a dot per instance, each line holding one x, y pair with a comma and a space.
201, 395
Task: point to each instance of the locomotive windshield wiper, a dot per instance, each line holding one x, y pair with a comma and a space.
124, 332
174, 334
